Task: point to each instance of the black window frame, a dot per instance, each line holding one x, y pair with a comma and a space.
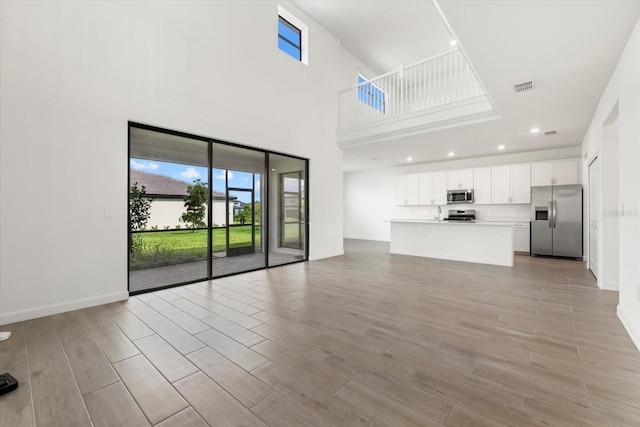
290, 42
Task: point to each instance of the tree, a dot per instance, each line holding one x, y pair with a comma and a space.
139, 213
195, 203
258, 211
139, 207
244, 215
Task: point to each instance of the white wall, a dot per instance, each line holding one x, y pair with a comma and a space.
623, 90
167, 213
608, 264
369, 195
73, 74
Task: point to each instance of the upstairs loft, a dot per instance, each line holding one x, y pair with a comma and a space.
436, 93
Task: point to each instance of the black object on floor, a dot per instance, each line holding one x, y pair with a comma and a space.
7, 383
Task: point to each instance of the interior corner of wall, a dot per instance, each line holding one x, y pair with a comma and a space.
633, 329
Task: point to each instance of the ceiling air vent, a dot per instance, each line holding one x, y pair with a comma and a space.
523, 87
551, 132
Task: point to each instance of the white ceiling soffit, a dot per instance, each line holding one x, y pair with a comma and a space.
568, 48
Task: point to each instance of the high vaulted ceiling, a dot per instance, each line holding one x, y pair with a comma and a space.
569, 48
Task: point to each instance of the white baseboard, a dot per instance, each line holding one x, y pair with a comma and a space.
609, 286
316, 257
629, 326
19, 316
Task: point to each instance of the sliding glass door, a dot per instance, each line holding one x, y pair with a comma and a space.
288, 207
168, 192
201, 209
238, 175
292, 210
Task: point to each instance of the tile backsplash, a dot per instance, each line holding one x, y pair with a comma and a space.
483, 212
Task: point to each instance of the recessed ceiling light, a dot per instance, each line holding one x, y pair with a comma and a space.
501, 147
453, 42
273, 170
535, 130
451, 153
409, 159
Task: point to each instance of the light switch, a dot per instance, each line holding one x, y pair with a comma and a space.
108, 212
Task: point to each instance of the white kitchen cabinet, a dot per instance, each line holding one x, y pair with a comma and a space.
566, 172
511, 184
460, 179
439, 187
500, 184
406, 189
521, 183
561, 172
432, 188
482, 186
521, 237
541, 174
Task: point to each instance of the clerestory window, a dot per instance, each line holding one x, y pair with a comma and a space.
293, 36
289, 39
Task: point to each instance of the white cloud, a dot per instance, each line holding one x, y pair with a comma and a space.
144, 165
221, 175
190, 173
137, 165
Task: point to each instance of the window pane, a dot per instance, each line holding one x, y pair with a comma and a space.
289, 33
370, 94
171, 246
289, 49
237, 240
289, 39
287, 206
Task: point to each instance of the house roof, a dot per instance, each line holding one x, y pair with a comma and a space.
162, 185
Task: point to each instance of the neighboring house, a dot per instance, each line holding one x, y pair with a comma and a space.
238, 206
168, 200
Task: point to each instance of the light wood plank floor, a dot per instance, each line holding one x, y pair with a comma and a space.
367, 338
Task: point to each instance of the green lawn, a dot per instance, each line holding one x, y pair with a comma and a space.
171, 247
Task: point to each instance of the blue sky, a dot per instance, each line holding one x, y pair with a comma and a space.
190, 173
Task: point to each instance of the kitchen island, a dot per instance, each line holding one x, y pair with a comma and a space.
479, 242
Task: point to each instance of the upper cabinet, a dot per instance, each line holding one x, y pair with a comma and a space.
511, 184
562, 172
406, 189
498, 185
521, 183
482, 186
432, 188
460, 179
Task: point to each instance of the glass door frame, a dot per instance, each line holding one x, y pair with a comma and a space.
301, 214
264, 201
253, 216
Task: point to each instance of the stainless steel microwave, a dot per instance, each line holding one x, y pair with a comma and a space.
459, 196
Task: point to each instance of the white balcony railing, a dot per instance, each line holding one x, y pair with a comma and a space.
434, 82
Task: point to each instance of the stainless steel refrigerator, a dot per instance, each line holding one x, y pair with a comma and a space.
556, 220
